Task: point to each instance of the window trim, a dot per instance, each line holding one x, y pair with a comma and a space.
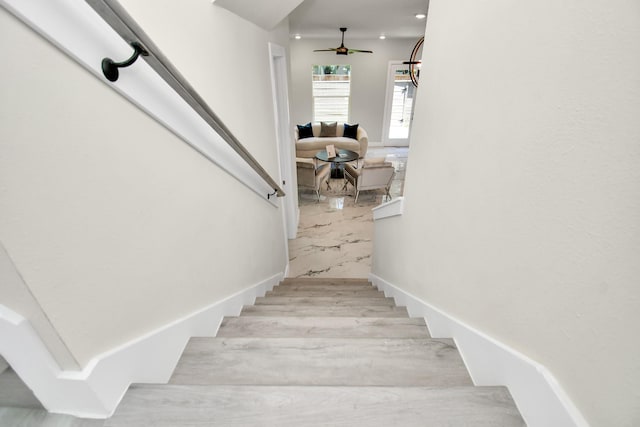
317, 117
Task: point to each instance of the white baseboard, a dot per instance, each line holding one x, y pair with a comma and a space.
394, 207
539, 397
96, 391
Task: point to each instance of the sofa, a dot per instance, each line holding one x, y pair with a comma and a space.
308, 147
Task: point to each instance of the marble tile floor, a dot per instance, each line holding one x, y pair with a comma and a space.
335, 235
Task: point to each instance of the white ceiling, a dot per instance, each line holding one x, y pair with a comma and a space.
364, 19
265, 14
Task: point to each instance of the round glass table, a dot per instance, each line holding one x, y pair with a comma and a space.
342, 156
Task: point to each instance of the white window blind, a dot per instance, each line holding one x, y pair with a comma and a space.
331, 92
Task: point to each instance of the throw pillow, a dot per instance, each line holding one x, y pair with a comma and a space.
350, 131
305, 131
328, 128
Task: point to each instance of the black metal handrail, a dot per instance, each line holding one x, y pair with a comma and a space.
123, 24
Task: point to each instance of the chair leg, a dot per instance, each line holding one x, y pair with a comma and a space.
345, 184
318, 196
357, 194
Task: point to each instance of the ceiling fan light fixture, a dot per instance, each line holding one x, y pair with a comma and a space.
342, 49
414, 63
382, 37
421, 15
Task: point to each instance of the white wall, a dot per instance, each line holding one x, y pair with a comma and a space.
115, 225
15, 293
523, 196
368, 77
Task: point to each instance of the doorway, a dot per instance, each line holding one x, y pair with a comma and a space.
399, 102
286, 150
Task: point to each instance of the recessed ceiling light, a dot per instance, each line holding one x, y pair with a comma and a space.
382, 37
297, 36
420, 15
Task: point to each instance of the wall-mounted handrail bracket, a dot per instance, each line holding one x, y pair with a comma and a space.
110, 67
270, 195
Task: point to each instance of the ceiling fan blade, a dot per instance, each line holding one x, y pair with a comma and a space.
342, 50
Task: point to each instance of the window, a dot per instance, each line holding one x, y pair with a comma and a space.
331, 90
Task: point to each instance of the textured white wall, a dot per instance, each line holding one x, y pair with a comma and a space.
15, 293
523, 191
116, 226
368, 75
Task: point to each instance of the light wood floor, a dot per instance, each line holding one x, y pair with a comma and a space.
313, 352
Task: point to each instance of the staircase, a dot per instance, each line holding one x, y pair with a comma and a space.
319, 352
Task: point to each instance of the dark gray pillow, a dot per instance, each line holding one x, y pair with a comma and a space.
328, 128
305, 131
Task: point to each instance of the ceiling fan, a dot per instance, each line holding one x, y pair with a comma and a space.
342, 50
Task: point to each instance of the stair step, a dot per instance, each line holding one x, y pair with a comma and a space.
318, 352
324, 311
325, 287
32, 417
324, 291
323, 327
321, 361
179, 405
323, 281
328, 301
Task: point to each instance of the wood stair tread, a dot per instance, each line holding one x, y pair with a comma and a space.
316, 352
321, 361
324, 310
326, 327
324, 300
33, 417
173, 405
326, 287
324, 281
323, 292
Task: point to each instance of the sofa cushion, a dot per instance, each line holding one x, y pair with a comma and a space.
350, 131
305, 131
316, 143
328, 129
